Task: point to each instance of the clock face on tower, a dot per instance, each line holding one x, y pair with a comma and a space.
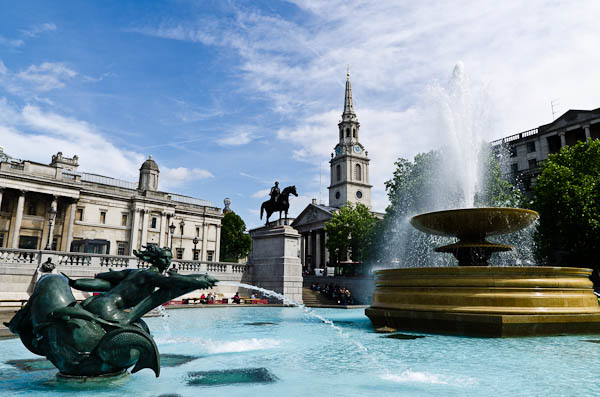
338, 150
356, 149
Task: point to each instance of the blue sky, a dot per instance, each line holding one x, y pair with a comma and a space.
228, 96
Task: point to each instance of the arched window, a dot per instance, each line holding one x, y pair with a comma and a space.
341, 134
353, 132
357, 173
347, 132
338, 172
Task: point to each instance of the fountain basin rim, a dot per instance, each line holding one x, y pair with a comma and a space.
486, 270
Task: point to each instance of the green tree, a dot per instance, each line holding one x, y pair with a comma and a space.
567, 196
350, 230
235, 242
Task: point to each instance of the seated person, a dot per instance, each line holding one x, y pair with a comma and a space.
236, 298
202, 298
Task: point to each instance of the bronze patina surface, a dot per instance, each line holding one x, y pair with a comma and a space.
486, 301
479, 300
104, 334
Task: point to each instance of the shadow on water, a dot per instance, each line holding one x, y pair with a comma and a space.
230, 376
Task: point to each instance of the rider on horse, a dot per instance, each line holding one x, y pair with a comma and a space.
274, 193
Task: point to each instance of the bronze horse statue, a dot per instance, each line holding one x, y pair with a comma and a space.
282, 204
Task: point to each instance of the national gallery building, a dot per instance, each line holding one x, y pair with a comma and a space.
53, 206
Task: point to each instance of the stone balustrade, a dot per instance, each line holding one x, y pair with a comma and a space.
18, 269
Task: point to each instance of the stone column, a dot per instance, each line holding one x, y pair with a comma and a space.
302, 249
588, 135
169, 236
313, 249
50, 236
203, 252
69, 239
563, 140
162, 227
146, 213
18, 219
135, 225
218, 244
322, 247
317, 249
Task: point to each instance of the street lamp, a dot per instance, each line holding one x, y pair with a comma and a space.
181, 225
195, 241
172, 230
51, 216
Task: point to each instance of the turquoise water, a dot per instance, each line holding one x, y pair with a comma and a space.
272, 351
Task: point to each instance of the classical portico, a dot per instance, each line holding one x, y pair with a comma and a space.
96, 214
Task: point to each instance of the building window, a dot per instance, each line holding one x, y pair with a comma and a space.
121, 248
514, 168
54, 243
31, 208
532, 163
79, 214
197, 231
347, 132
338, 172
513, 151
530, 147
103, 217
337, 195
154, 221
195, 255
1, 240
353, 132
358, 172
210, 255
124, 220
180, 253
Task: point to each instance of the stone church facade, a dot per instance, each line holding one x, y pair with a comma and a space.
53, 206
349, 183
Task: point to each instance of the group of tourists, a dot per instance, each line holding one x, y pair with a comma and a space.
340, 295
210, 298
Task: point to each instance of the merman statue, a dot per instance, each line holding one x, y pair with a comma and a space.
105, 333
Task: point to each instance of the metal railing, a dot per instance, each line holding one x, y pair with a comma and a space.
521, 135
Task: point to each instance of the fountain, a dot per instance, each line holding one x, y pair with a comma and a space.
479, 300
474, 298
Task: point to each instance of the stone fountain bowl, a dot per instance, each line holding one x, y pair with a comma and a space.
474, 223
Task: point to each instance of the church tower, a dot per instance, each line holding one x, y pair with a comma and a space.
349, 163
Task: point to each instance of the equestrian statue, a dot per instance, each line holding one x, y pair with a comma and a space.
278, 202
104, 334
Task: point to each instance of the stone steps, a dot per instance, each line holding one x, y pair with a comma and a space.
315, 298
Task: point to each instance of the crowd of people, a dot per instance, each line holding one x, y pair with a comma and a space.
340, 295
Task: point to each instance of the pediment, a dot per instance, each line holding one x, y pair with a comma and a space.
571, 117
311, 214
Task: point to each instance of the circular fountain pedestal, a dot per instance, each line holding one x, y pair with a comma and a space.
486, 301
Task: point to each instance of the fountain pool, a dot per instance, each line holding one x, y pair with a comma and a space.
284, 351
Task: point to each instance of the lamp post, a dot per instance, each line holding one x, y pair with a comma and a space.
172, 230
51, 216
195, 241
181, 225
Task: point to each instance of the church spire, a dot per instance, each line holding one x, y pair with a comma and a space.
348, 105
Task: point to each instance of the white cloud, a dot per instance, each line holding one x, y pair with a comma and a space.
174, 177
47, 76
37, 29
33, 134
525, 52
261, 193
236, 139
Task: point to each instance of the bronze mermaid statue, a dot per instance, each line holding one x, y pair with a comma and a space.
105, 333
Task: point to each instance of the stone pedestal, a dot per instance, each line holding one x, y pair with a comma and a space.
275, 260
